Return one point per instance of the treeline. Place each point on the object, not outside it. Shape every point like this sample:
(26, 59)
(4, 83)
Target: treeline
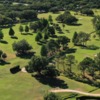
(69, 4)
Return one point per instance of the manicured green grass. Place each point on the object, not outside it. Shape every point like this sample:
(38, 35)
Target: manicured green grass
(22, 86)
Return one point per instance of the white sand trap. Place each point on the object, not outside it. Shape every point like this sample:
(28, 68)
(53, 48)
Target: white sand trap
(24, 70)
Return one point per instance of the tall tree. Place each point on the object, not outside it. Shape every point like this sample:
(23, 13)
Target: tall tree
(74, 39)
(44, 50)
(11, 32)
(46, 35)
(38, 37)
(26, 29)
(50, 19)
(70, 60)
(1, 52)
(21, 29)
(1, 35)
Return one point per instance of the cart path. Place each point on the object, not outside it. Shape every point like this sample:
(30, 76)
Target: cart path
(74, 91)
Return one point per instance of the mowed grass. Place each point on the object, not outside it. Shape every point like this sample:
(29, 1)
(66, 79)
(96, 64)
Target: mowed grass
(22, 86)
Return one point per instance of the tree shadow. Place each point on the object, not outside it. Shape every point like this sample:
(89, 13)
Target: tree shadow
(67, 31)
(26, 55)
(27, 34)
(15, 69)
(87, 98)
(80, 45)
(97, 39)
(54, 36)
(4, 42)
(2, 62)
(75, 24)
(14, 37)
(71, 50)
(60, 32)
(73, 95)
(39, 43)
(7, 26)
(93, 90)
(52, 82)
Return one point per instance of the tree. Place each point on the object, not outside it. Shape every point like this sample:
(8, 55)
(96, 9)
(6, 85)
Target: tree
(96, 24)
(21, 46)
(26, 29)
(38, 37)
(63, 25)
(70, 60)
(1, 52)
(38, 64)
(4, 55)
(67, 18)
(28, 15)
(70, 20)
(21, 29)
(46, 35)
(51, 96)
(88, 12)
(74, 39)
(89, 64)
(52, 45)
(97, 60)
(51, 30)
(34, 26)
(63, 40)
(51, 71)
(44, 50)
(81, 38)
(1, 35)
(50, 19)
(11, 32)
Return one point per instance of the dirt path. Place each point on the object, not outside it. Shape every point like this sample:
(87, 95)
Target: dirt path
(75, 91)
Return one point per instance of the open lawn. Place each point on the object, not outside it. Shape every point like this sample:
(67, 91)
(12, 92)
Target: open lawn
(22, 86)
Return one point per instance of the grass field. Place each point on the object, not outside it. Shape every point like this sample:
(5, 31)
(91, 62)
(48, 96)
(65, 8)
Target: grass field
(22, 86)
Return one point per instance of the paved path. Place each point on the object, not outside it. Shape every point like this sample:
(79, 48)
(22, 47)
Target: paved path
(75, 91)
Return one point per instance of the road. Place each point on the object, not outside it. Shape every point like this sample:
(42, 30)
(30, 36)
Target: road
(75, 91)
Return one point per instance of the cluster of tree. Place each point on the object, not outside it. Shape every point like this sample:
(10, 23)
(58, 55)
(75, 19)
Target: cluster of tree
(21, 47)
(87, 12)
(49, 31)
(96, 23)
(9, 18)
(80, 38)
(41, 65)
(51, 96)
(51, 5)
(67, 18)
(5, 21)
(21, 29)
(39, 25)
(54, 46)
(2, 56)
(90, 65)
